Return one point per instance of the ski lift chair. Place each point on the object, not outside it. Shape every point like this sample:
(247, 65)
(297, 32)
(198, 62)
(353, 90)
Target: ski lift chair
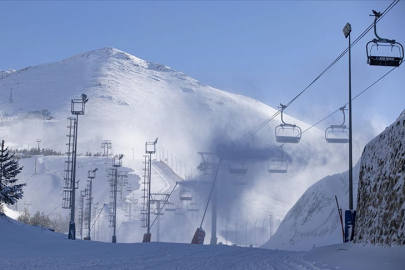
(375, 60)
(170, 207)
(179, 211)
(239, 180)
(156, 212)
(277, 166)
(338, 133)
(193, 207)
(185, 195)
(287, 133)
(240, 167)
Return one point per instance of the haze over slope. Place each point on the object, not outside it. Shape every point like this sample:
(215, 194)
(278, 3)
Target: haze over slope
(132, 101)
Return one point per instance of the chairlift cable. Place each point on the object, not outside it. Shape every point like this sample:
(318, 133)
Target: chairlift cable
(209, 197)
(161, 208)
(251, 133)
(346, 50)
(352, 100)
(97, 217)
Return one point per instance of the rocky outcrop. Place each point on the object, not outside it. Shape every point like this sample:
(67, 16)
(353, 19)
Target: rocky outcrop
(381, 190)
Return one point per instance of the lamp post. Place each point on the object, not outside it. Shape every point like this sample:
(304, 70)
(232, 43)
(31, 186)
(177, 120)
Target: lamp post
(236, 232)
(254, 231)
(91, 176)
(176, 163)
(150, 148)
(117, 162)
(247, 221)
(39, 150)
(346, 31)
(77, 108)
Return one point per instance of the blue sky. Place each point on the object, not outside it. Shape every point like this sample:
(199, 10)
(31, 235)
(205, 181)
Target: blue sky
(267, 50)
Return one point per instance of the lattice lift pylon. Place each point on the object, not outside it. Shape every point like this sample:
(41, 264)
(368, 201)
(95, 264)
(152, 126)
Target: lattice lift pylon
(145, 185)
(106, 145)
(81, 212)
(67, 187)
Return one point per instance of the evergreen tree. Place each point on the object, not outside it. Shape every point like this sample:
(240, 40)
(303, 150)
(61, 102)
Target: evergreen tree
(10, 192)
(24, 217)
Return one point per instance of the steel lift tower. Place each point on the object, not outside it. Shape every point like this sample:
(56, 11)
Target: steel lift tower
(91, 176)
(150, 148)
(69, 189)
(117, 162)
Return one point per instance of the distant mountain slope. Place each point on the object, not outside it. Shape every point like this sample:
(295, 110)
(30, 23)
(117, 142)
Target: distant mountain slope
(132, 101)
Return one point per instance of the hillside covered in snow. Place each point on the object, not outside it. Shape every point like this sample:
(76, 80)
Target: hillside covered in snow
(314, 219)
(132, 101)
(378, 185)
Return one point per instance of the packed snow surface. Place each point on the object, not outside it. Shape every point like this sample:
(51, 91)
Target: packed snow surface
(27, 247)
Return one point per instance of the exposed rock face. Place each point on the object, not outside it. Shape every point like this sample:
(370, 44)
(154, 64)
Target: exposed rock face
(381, 191)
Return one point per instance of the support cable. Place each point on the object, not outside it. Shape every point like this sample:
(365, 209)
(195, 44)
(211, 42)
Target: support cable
(97, 217)
(161, 208)
(212, 188)
(352, 100)
(251, 133)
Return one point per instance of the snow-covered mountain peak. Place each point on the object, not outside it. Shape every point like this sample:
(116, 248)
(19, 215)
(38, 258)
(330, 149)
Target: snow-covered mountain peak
(401, 115)
(107, 53)
(114, 56)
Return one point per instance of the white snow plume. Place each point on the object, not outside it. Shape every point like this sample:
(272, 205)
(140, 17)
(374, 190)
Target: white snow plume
(314, 219)
(133, 101)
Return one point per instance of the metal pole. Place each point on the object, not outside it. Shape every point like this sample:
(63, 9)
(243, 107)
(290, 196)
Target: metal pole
(270, 225)
(236, 231)
(82, 207)
(72, 225)
(226, 232)
(254, 231)
(246, 233)
(158, 221)
(350, 132)
(114, 238)
(90, 199)
(121, 186)
(149, 185)
(214, 215)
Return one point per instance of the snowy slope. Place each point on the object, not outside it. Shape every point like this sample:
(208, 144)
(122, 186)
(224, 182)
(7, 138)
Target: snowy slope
(132, 101)
(314, 220)
(27, 247)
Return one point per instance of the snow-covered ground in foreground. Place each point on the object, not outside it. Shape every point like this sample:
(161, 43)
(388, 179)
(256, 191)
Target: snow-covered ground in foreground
(26, 247)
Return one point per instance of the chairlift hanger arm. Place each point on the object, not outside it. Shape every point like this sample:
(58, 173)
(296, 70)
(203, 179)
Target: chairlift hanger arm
(344, 115)
(282, 107)
(376, 16)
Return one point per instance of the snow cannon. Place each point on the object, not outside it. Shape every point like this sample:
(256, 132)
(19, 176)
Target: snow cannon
(146, 237)
(198, 237)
